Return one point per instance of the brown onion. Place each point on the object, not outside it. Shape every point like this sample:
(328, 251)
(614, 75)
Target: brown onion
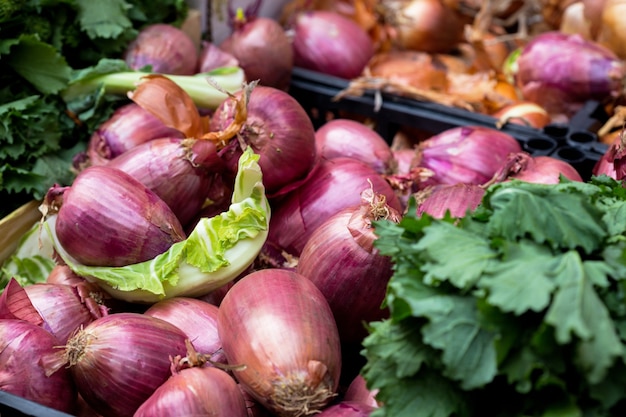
(108, 218)
(196, 392)
(349, 138)
(128, 126)
(330, 43)
(612, 31)
(119, 360)
(468, 154)
(278, 325)
(341, 260)
(164, 47)
(425, 25)
(25, 349)
(197, 318)
(263, 50)
(524, 113)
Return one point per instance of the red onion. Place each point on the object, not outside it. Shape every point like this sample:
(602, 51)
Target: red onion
(213, 57)
(196, 392)
(63, 274)
(560, 72)
(25, 350)
(349, 138)
(119, 360)
(540, 169)
(64, 309)
(279, 326)
(468, 154)
(348, 409)
(332, 186)
(128, 126)
(359, 392)
(330, 43)
(453, 199)
(341, 260)
(197, 318)
(179, 171)
(164, 47)
(279, 130)
(263, 49)
(108, 218)
(404, 160)
(612, 163)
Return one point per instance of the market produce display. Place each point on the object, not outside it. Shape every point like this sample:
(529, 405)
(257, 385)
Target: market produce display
(206, 243)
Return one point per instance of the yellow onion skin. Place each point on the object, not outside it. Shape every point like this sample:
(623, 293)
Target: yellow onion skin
(166, 48)
(24, 347)
(119, 360)
(196, 392)
(278, 324)
(108, 218)
(340, 259)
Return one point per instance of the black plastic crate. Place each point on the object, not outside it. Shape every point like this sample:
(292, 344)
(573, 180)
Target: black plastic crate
(575, 143)
(14, 406)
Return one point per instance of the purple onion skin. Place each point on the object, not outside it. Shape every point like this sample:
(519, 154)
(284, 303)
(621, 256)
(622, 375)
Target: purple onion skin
(560, 72)
(279, 130)
(179, 171)
(129, 126)
(358, 391)
(125, 358)
(263, 50)
(196, 392)
(347, 409)
(455, 199)
(349, 138)
(108, 218)
(333, 185)
(213, 57)
(195, 317)
(339, 259)
(23, 347)
(468, 154)
(63, 308)
(168, 49)
(330, 43)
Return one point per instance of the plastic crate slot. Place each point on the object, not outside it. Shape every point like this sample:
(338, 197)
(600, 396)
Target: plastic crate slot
(540, 146)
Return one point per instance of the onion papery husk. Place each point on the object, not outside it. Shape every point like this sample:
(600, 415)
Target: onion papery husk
(467, 154)
(341, 260)
(359, 392)
(26, 351)
(217, 250)
(538, 169)
(119, 360)
(279, 327)
(347, 409)
(454, 200)
(278, 128)
(179, 171)
(109, 218)
(333, 185)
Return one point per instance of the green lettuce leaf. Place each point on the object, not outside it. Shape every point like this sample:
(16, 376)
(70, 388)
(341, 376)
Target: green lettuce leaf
(215, 252)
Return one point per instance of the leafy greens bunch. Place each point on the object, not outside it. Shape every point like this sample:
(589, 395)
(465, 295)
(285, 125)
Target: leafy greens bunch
(42, 45)
(516, 309)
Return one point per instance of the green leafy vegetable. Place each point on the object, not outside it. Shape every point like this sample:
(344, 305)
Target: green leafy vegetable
(517, 309)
